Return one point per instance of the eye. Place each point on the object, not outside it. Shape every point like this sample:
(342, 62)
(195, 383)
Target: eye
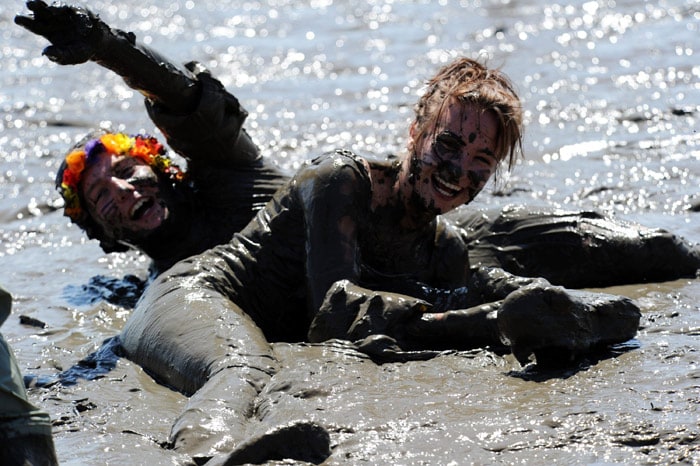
(124, 171)
(446, 146)
(487, 163)
(124, 168)
(447, 143)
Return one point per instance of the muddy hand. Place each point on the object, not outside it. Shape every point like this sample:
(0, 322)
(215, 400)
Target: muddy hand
(75, 33)
(559, 324)
(386, 314)
(384, 349)
(351, 312)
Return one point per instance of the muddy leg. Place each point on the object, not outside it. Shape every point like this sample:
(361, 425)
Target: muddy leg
(25, 430)
(196, 340)
(27, 450)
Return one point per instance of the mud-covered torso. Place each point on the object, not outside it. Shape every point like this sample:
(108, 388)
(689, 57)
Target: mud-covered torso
(218, 202)
(228, 179)
(435, 256)
(289, 255)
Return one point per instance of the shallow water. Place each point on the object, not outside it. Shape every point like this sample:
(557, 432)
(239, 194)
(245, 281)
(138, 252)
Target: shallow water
(612, 98)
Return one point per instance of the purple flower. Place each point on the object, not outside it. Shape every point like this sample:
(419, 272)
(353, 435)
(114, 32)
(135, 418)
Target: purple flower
(93, 149)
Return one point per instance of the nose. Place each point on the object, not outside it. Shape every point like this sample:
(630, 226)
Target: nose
(451, 170)
(121, 188)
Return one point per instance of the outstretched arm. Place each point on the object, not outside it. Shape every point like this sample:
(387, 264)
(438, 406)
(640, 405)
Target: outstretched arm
(200, 119)
(77, 35)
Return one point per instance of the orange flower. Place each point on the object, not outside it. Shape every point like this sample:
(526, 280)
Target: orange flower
(76, 161)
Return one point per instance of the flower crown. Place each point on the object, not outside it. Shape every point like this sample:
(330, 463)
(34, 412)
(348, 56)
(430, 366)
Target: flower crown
(142, 147)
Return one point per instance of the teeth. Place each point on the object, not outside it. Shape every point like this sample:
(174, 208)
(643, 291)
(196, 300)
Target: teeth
(443, 192)
(137, 206)
(451, 186)
(445, 188)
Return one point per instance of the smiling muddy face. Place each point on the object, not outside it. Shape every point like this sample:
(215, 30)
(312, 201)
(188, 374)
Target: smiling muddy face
(450, 164)
(122, 195)
(119, 189)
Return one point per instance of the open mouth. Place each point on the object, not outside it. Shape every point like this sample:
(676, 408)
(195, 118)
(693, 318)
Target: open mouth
(444, 187)
(141, 207)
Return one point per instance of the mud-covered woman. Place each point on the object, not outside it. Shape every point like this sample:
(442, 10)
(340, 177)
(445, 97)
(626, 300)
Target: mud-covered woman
(355, 248)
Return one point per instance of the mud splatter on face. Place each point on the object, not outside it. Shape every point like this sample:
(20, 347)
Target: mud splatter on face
(415, 169)
(452, 162)
(477, 181)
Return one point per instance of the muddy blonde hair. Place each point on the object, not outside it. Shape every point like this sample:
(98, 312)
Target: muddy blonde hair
(470, 82)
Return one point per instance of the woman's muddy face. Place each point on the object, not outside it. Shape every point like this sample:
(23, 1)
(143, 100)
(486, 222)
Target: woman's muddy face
(123, 196)
(452, 163)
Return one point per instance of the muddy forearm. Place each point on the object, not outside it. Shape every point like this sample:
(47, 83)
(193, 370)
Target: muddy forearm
(147, 71)
(455, 329)
(352, 312)
(212, 132)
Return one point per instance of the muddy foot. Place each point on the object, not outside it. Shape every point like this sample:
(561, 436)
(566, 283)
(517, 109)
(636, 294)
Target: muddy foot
(557, 324)
(301, 440)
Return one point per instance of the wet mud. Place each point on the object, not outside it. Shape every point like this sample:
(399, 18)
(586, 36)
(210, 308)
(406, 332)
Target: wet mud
(633, 403)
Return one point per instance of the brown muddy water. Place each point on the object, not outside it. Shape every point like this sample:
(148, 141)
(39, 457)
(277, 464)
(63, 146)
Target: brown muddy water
(612, 97)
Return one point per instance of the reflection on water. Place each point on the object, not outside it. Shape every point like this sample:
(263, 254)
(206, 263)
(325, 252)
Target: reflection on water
(611, 100)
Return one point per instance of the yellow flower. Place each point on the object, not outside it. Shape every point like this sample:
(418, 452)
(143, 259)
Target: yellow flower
(118, 143)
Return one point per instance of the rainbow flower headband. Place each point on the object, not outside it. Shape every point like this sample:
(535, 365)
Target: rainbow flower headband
(142, 147)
